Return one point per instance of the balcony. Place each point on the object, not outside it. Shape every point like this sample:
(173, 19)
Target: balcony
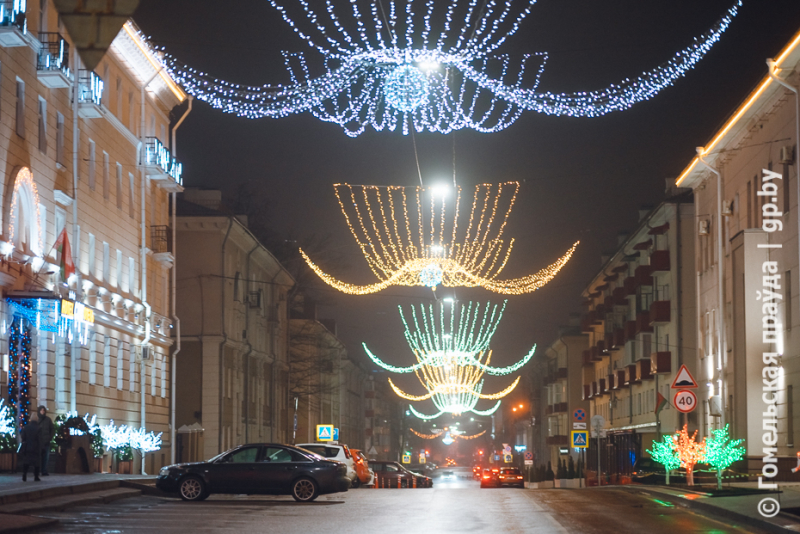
(587, 358)
(601, 383)
(643, 322)
(630, 375)
(661, 362)
(612, 384)
(559, 407)
(596, 353)
(620, 295)
(621, 380)
(161, 166)
(13, 24)
(659, 261)
(557, 440)
(595, 389)
(643, 276)
(90, 95)
(586, 325)
(608, 303)
(587, 392)
(630, 330)
(52, 64)
(595, 317)
(601, 346)
(643, 370)
(629, 285)
(608, 340)
(619, 339)
(600, 312)
(161, 245)
(660, 313)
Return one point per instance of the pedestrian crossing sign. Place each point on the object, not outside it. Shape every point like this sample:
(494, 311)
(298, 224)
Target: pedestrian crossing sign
(406, 458)
(324, 432)
(580, 439)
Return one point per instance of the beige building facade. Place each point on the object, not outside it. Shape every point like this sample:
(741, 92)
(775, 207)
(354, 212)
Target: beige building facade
(101, 168)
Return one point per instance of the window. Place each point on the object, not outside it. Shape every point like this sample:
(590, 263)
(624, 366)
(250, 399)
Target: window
(119, 268)
(106, 260)
(42, 125)
(131, 114)
(106, 86)
(42, 15)
(43, 225)
(106, 361)
(106, 192)
(131, 196)
(91, 264)
(163, 377)
(237, 283)
(93, 358)
(248, 455)
(118, 96)
(59, 222)
(92, 164)
(153, 379)
(152, 130)
(120, 363)
(119, 185)
(20, 126)
(60, 152)
(132, 366)
(131, 270)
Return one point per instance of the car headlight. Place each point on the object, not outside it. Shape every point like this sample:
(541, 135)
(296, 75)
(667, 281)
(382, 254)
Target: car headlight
(164, 471)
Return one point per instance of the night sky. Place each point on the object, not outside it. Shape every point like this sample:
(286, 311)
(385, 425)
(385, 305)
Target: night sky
(582, 179)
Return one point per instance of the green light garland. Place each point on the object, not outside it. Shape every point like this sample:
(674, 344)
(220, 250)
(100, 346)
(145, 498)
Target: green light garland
(665, 452)
(722, 451)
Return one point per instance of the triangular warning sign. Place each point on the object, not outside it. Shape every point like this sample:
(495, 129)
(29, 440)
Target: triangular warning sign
(684, 379)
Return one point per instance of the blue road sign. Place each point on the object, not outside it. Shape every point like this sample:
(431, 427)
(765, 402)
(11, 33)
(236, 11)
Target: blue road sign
(335, 434)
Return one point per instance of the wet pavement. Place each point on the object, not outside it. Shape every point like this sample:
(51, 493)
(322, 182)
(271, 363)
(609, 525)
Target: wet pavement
(456, 505)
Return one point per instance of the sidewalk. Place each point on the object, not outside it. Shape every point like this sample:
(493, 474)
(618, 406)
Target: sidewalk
(741, 508)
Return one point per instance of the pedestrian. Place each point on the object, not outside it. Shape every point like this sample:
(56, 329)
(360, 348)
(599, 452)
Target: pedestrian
(31, 452)
(46, 432)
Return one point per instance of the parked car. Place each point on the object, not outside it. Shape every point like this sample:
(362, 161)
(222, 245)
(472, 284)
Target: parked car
(340, 453)
(266, 468)
(394, 474)
(426, 469)
(365, 475)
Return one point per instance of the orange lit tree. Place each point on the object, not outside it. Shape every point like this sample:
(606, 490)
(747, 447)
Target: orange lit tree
(689, 452)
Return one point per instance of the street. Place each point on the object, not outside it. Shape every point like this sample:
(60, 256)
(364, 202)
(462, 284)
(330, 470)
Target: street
(451, 506)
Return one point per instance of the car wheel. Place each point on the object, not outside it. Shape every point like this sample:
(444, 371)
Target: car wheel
(355, 483)
(304, 490)
(192, 489)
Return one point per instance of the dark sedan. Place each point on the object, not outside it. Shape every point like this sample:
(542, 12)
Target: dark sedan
(267, 468)
(394, 475)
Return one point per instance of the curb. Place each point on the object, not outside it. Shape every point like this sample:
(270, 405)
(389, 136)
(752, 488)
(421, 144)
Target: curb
(24, 523)
(723, 513)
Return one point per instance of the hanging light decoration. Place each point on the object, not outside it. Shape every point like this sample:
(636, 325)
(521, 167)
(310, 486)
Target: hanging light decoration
(448, 435)
(388, 66)
(409, 239)
(452, 352)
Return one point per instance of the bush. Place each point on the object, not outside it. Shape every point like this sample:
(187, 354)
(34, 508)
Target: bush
(124, 453)
(561, 472)
(579, 472)
(571, 468)
(549, 475)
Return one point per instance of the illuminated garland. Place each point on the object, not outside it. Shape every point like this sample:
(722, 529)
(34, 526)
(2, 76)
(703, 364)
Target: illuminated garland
(689, 451)
(25, 178)
(425, 417)
(115, 438)
(19, 372)
(454, 434)
(6, 421)
(387, 66)
(408, 241)
(665, 452)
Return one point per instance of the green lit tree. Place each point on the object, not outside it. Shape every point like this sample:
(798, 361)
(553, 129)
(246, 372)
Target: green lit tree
(722, 451)
(665, 452)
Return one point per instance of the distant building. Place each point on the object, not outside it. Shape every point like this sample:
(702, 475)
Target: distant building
(641, 323)
(749, 329)
(233, 367)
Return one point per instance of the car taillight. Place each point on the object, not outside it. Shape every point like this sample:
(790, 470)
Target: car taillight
(346, 451)
(519, 477)
(486, 476)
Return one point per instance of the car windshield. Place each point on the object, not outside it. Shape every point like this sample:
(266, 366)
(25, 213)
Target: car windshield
(510, 471)
(310, 453)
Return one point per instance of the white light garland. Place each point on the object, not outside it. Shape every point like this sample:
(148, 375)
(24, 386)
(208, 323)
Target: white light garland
(6, 420)
(371, 79)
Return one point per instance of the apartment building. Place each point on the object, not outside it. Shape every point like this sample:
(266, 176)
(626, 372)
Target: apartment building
(641, 324)
(87, 152)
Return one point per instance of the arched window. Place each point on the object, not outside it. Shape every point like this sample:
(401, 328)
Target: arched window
(24, 227)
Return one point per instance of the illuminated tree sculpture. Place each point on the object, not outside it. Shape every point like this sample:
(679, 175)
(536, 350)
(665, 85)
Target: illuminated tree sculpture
(722, 451)
(451, 346)
(689, 452)
(412, 64)
(409, 239)
(665, 452)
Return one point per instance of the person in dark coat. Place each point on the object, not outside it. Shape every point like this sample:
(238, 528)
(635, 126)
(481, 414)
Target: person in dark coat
(46, 433)
(31, 452)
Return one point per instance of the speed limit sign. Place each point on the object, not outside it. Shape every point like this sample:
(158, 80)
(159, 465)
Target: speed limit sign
(685, 401)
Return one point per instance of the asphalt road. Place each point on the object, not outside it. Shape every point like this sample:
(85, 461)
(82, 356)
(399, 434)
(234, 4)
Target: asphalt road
(451, 506)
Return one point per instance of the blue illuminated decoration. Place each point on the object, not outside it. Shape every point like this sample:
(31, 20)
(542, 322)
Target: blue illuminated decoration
(13, 14)
(158, 155)
(66, 318)
(405, 88)
(431, 276)
(19, 372)
(411, 64)
(90, 88)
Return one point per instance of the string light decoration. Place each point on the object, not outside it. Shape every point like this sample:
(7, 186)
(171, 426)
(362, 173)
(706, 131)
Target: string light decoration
(416, 66)
(665, 452)
(6, 421)
(25, 197)
(722, 451)
(463, 409)
(450, 433)
(118, 437)
(689, 451)
(19, 372)
(408, 239)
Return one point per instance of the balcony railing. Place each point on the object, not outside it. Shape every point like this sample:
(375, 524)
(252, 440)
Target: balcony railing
(157, 155)
(12, 13)
(53, 61)
(90, 88)
(160, 239)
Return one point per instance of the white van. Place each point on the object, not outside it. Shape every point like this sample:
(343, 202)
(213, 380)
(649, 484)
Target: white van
(339, 453)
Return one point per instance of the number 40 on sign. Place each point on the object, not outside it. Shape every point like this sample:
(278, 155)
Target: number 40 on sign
(685, 401)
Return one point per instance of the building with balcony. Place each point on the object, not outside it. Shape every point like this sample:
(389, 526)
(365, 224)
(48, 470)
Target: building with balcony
(748, 330)
(563, 392)
(640, 321)
(232, 379)
(79, 172)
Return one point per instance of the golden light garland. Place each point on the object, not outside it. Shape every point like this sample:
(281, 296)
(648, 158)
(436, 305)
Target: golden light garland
(453, 433)
(400, 252)
(24, 177)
